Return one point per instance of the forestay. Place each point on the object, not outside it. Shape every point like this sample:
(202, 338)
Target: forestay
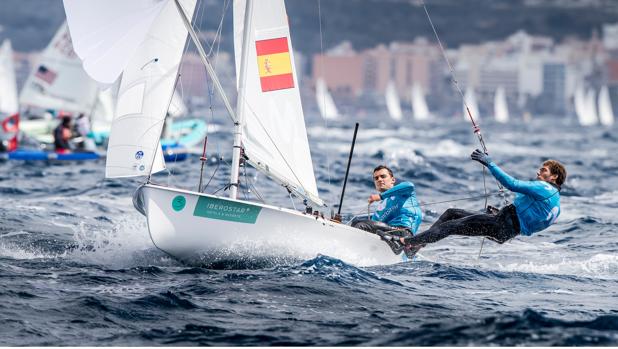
(274, 135)
(144, 41)
(8, 86)
(57, 81)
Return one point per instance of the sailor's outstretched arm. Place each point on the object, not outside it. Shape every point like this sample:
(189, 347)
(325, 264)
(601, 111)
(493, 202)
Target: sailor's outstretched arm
(509, 182)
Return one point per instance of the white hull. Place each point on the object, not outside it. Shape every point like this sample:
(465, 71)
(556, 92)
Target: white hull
(205, 229)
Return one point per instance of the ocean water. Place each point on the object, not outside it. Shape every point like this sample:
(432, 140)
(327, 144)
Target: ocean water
(77, 266)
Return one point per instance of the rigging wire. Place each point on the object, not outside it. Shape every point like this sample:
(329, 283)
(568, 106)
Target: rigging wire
(477, 129)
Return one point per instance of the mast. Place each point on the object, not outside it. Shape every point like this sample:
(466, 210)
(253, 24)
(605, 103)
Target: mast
(240, 105)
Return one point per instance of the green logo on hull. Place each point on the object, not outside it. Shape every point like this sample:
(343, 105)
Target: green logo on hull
(179, 203)
(226, 210)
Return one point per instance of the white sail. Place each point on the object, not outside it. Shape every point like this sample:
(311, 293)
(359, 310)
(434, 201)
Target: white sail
(103, 113)
(274, 135)
(57, 81)
(579, 101)
(470, 98)
(177, 106)
(419, 105)
(606, 113)
(501, 108)
(8, 86)
(392, 101)
(144, 41)
(590, 116)
(325, 101)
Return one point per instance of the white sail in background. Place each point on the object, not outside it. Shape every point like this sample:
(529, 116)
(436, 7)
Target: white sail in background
(274, 135)
(606, 113)
(419, 105)
(590, 116)
(144, 41)
(177, 107)
(501, 109)
(58, 81)
(579, 101)
(103, 113)
(392, 101)
(325, 101)
(470, 98)
(8, 86)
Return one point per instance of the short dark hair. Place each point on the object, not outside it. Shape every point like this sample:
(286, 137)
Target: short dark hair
(556, 168)
(383, 167)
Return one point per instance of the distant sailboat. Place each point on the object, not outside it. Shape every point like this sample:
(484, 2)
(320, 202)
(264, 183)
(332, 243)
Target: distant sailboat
(57, 82)
(419, 105)
(501, 109)
(579, 101)
(585, 106)
(392, 101)
(606, 113)
(591, 116)
(8, 86)
(325, 101)
(470, 98)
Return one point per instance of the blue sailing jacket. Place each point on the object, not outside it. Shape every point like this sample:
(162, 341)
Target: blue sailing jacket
(537, 202)
(399, 207)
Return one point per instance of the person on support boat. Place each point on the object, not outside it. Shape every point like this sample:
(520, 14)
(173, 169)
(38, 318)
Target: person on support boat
(536, 207)
(398, 212)
(62, 135)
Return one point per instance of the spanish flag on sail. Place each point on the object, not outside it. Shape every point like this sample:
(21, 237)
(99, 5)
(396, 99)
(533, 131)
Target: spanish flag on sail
(274, 64)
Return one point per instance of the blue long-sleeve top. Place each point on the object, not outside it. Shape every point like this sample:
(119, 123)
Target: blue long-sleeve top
(537, 202)
(399, 207)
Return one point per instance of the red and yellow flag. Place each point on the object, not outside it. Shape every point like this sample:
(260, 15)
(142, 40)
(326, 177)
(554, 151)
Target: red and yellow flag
(274, 64)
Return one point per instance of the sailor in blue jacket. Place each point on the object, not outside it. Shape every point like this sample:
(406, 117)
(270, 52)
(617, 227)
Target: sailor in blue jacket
(398, 213)
(536, 207)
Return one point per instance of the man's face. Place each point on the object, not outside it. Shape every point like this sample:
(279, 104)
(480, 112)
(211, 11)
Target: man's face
(544, 174)
(383, 180)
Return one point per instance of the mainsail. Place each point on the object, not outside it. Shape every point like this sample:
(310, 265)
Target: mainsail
(325, 101)
(143, 40)
(392, 101)
(8, 86)
(606, 113)
(274, 135)
(57, 81)
(419, 105)
(501, 109)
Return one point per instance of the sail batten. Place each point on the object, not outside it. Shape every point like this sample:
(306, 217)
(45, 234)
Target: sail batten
(274, 137)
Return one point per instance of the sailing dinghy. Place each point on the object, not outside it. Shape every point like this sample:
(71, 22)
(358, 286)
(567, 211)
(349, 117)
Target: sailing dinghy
(144, 40)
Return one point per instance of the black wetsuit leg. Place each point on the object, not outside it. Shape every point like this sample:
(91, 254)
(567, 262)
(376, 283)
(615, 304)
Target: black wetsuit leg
(452, 213)
(384, 230)
(500, 227)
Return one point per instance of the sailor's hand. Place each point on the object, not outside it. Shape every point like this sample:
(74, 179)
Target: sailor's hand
(481, 157)
(374, 197)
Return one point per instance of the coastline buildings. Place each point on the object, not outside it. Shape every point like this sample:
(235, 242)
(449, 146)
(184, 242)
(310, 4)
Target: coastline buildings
(539, 76)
